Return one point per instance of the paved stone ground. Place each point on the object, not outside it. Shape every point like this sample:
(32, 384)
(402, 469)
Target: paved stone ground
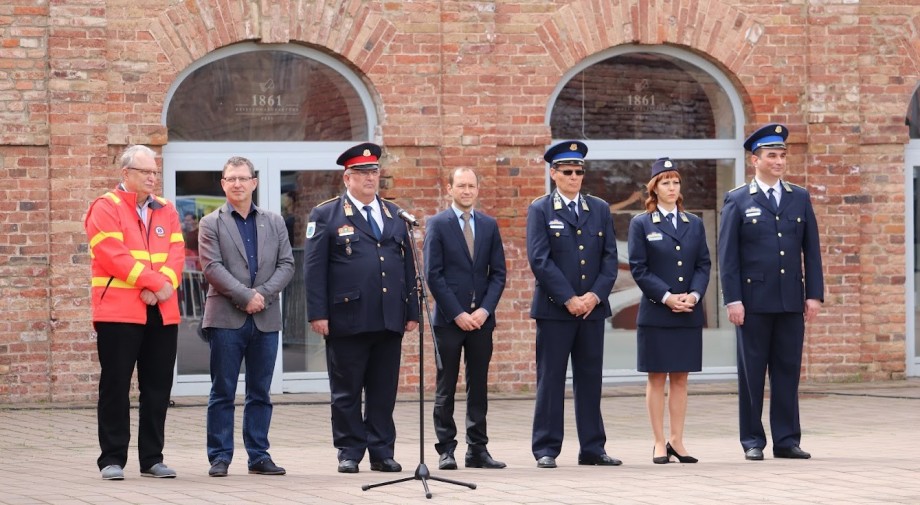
(863, 438)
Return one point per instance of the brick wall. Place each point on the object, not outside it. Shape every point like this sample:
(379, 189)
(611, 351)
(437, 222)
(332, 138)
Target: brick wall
(456, 83)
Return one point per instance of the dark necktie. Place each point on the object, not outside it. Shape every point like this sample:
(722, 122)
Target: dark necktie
(574, 208)
(672, 219)
(772, 198)
(468, 232)
(373, 222)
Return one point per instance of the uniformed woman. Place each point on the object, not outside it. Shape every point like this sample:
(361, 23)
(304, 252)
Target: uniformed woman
(669, 261)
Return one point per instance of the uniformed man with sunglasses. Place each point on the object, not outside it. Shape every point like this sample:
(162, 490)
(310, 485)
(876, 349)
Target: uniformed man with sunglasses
(573, 254)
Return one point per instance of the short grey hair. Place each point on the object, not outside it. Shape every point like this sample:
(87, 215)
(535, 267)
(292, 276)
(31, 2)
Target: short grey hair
(127, 156)
(239, 161)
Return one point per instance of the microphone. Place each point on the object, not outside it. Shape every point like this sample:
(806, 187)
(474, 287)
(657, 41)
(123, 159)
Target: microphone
(405, 216)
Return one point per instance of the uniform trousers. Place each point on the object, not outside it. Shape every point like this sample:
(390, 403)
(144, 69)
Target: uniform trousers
(556, 341)
(152, 348)
(770, 342)
(368, 363)
(477, 352)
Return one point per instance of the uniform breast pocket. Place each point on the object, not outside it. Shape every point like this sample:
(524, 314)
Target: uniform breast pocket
(798, 224)
(346, 242)
(559, 240)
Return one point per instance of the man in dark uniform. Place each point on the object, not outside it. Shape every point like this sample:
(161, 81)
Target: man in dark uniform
(768, 231)
(573, 254)
(466, 283)
(361, 296)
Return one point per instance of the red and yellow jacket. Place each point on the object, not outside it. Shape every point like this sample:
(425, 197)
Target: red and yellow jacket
(127, 257)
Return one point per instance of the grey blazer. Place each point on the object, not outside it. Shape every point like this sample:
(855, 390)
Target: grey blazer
(223, 260)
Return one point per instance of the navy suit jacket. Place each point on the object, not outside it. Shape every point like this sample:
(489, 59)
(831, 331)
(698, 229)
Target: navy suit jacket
(459, 283)
(570, 257)
(358, 283)
(663, 260)
(761, 251)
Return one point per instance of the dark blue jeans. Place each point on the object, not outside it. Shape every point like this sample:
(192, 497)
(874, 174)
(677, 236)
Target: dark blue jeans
(228, 350)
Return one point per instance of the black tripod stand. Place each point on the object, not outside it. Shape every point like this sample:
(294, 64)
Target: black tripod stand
(421, 473)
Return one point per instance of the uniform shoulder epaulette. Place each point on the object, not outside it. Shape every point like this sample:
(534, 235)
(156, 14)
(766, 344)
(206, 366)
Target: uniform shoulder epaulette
(690, 213)
(739, 187)
(641, 213)
(320, 204)
(388, 201)
(796, 185)
(539, 197)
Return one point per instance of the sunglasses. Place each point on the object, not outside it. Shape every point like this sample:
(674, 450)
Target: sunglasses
(577, 171)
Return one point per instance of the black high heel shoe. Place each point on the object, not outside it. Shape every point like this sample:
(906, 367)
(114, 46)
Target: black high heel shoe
(682, 459)
(660, 460)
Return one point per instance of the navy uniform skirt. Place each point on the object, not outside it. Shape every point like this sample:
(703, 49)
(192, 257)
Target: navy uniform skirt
(670, 349)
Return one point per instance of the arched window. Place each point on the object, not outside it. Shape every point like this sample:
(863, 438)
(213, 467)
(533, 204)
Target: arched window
(632, 105)
(291, 110)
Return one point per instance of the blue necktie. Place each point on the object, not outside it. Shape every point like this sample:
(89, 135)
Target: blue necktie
(772, 199)
(373, 222)
(574, 208)
(672, 219)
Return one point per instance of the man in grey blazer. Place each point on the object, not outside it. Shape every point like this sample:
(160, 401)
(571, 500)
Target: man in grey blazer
(247, 260)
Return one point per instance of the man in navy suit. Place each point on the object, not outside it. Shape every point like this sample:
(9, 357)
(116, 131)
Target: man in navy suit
(465, 268)
(361, 296)
(768, 231)
(573, 255)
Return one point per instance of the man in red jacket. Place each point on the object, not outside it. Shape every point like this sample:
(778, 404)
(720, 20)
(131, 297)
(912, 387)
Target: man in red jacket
(137, 255)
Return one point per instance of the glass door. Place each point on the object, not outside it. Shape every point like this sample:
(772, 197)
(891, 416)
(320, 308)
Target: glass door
(912, 223)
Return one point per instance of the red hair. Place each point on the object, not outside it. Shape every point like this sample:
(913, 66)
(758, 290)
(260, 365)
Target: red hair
(651, 203)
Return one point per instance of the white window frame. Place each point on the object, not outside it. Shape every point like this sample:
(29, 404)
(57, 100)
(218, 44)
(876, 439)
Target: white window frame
(632, 149)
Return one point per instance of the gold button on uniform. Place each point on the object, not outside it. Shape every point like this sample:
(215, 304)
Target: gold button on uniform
(557, 233)
(581, 248)
(680, 279)
(782, 270)
(578, 232)
(782, 253)
(381, 258)
(749, 280)
(754, 220)
(677, 248)
(346, 300)
(583, 277)
(582, 262)
(600, 234)
(780, 234)
(383, 274)
(777, 218)
(384, 290)
(680, 263)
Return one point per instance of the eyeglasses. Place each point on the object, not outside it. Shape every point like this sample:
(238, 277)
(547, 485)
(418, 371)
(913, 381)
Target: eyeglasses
(145, 172)
(577, 171)
(365, 173)
(234, 180)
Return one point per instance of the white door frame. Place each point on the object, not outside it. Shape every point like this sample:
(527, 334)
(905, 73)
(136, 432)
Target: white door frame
(911, 160)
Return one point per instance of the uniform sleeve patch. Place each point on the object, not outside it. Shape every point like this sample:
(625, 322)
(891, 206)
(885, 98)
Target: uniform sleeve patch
(311, 229)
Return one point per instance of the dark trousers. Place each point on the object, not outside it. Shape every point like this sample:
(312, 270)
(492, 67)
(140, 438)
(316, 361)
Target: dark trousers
(556, 341)
(477, 352)
(367, 362)
(121, 346)
(770, 343)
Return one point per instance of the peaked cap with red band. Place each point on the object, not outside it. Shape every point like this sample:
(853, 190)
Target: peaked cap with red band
(364, 156)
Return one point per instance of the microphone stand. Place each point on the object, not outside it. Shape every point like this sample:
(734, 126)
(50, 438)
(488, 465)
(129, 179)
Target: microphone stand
(421, 472)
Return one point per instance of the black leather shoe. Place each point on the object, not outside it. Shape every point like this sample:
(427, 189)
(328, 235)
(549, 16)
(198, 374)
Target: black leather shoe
(386, 465)
(754, 454)
(660, 460)
(682, 459)
(348, 466)
(447, 461)
(546, 462)
(219, 469)
(794, 452)
(600, 460)
(267, 467)
(482, 459)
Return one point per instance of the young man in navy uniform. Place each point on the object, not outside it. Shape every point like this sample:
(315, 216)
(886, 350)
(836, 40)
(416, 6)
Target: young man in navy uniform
(361, 297)
(573, 255)
(768, 231)
(466, 283)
